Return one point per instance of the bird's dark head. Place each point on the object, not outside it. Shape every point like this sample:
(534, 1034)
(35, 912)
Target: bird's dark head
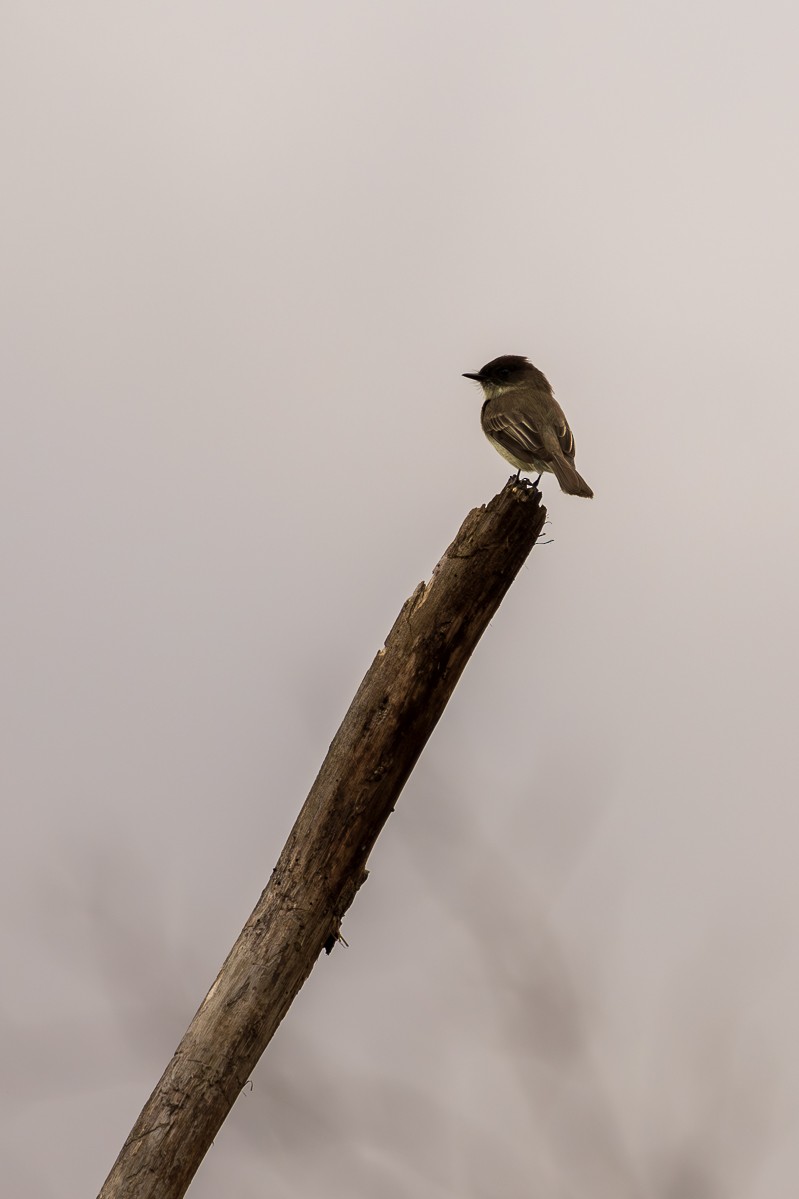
(506, 372)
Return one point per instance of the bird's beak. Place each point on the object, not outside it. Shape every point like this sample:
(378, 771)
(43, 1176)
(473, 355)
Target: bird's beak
(472, 375)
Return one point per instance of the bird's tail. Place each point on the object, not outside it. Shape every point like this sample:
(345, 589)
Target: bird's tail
(569, 480)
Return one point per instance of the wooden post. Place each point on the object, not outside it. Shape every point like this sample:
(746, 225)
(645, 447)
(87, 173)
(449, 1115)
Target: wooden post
(323, 863)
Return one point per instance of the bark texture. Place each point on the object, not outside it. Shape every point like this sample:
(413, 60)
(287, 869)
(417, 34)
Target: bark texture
(324, 860)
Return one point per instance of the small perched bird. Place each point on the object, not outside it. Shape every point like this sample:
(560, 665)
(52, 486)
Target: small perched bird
(523, 420)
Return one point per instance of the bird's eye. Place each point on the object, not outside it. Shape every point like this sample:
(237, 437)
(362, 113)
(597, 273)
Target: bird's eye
(504, 373)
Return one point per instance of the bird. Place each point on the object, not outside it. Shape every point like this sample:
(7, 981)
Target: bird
(525, 423)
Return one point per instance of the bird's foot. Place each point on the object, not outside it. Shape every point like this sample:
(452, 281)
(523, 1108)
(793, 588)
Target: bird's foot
(518, 481)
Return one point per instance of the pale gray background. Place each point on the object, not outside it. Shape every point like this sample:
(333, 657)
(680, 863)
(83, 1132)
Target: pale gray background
(247, 249)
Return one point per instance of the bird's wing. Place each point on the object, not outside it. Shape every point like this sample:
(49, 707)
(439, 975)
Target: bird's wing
(516, 433)
(566, 439)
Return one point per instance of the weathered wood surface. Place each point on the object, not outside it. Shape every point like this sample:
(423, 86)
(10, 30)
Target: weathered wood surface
(323, 862)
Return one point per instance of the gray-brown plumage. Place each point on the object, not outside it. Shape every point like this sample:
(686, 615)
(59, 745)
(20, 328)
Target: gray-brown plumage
(525, 423)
